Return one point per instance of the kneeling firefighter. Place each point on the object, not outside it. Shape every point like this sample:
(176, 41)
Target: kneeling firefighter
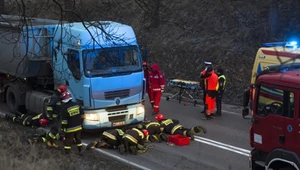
(172, 126)
(133, 141)
(109, 139)
(50, 138)
(155, 132)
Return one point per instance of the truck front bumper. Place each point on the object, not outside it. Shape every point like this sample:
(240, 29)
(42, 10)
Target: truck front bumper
(101, 119)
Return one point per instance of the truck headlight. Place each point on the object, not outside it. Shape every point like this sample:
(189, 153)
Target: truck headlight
(91, 116)
(140, 110)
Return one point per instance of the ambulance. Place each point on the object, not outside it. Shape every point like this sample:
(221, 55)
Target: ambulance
(268, 56)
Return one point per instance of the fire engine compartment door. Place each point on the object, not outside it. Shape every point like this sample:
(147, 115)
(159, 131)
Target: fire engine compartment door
(292, 128)
(268, 122)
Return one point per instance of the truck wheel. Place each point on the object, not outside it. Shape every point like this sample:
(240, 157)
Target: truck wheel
(12, 100)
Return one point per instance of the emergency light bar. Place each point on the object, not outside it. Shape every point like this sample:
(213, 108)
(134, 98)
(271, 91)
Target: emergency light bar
(291, 44)
(283, 67)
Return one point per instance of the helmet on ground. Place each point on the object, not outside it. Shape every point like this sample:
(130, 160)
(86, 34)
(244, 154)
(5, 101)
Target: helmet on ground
(159, 117)
(146, 133)
(43, 122)
(65, 97)
(62, 88)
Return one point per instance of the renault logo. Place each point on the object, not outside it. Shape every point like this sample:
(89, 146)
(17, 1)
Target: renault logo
(117, 101)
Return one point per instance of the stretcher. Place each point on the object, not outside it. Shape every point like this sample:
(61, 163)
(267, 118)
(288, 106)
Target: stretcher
(184, 86)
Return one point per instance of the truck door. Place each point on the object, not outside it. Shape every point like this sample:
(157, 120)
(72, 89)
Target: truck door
(268, 123)
(72, 72)
(297, 122)
(292, 129)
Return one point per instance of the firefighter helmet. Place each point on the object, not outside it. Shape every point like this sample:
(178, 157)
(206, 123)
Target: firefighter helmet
(146, 133)
(65, 97)
(43, 122)
(62, 88)
(159, 117)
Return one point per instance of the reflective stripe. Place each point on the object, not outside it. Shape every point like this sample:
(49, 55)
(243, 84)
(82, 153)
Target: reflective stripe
(139, 132)
(175, 128)
(51, 135)
(44, 139)
(37, 116)
(152, 123)
(73, 129)
(121, 133)
(156, 106)
(132, 139)
(109, 135)
(156, 89)
(64, 122)
(67, 147)
(167, 122)
(25, 120)
(79, 144)
(49, 109)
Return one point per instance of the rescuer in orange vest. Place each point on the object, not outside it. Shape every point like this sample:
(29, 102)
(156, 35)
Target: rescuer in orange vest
(211, 79)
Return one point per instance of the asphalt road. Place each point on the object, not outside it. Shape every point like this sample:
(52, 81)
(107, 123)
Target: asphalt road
(224, 147)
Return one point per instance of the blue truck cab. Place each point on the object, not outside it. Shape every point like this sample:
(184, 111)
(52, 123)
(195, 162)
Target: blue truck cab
(99, 61)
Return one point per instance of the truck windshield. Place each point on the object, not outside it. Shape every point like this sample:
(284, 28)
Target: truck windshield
(111, 61)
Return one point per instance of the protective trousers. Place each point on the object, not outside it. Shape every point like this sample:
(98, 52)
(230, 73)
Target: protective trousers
(69, 136)
(210, 102)
(219, 102)
(156, 100)
(149, 92)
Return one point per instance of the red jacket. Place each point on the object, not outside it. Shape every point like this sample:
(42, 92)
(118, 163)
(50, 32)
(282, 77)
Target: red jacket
(156, 79)
(211, 79)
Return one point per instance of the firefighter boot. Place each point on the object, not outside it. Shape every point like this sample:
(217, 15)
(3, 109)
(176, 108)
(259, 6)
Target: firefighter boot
(198, 129)
(79, 149)
(91, 145)
(153, 138)
(163, 137)
(207, 117)
(121, 149)
(190, 134)
(133, 150)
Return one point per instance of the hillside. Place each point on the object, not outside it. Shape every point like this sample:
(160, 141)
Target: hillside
(181, 35)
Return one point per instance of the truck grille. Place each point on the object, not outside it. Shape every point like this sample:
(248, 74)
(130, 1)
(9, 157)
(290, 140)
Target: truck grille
(116, 118)
(110, 95)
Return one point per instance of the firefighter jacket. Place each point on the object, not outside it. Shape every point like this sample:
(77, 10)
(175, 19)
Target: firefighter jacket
(152, 127)
(53, 107)
(170, 125)
(113, 134)
(156, 79)
(71, 117)
(136, 136)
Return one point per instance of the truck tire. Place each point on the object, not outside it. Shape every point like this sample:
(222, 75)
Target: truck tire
(12, 99)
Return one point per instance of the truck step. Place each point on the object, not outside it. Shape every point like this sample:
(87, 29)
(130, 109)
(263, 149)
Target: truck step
(260, 163)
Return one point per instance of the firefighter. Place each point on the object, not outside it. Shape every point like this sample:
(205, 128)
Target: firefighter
(39, 120)
(220, 90)
(203, 86)
(211, 79)
(154, 130)
(133, 141)
(109, 139)
(147, 72)
(172, 127)
(71, 122)
(157, 84)
(50, 138)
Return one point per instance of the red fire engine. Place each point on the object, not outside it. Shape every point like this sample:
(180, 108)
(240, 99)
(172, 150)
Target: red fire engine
(275, 129)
